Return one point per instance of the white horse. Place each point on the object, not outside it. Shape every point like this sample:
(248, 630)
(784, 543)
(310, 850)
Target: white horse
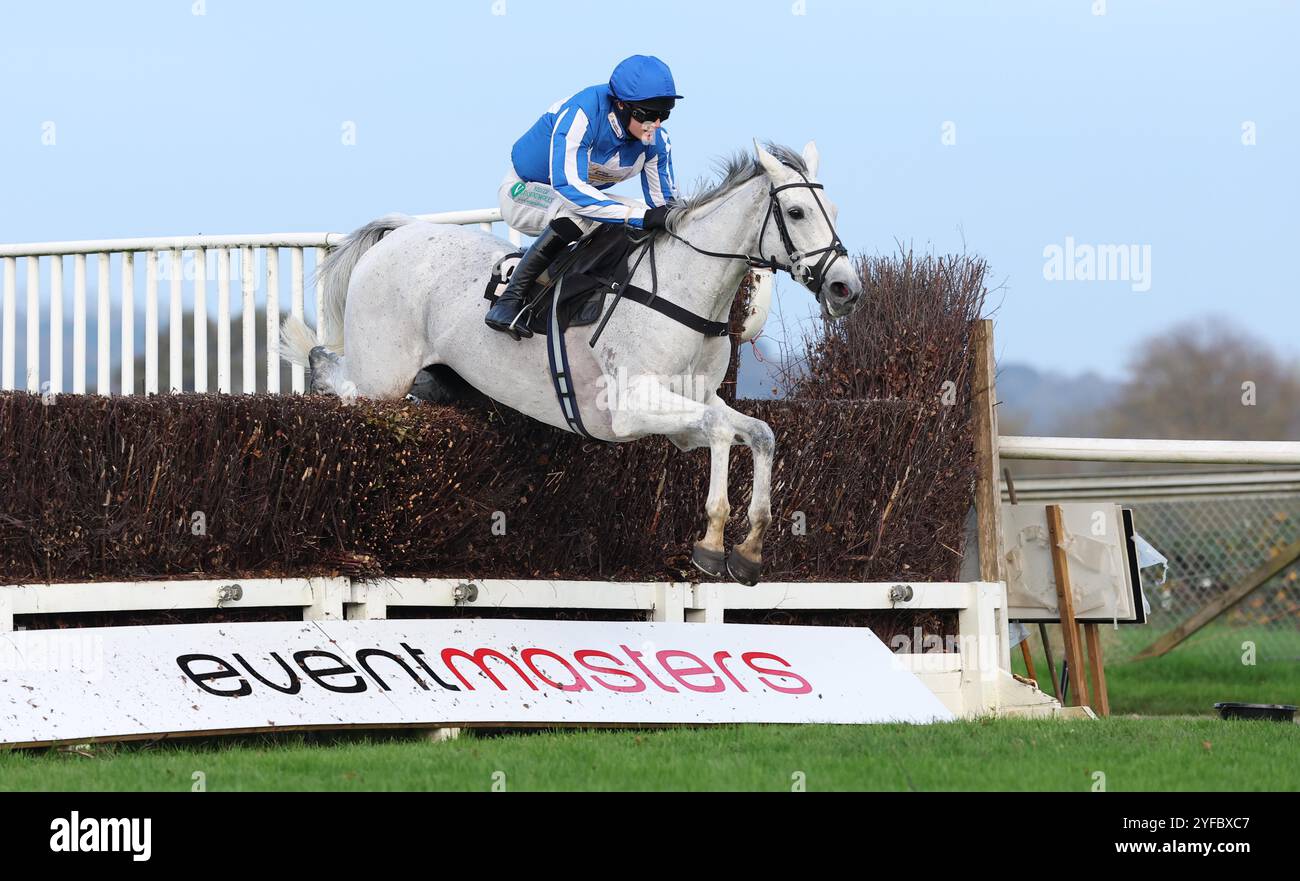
(401, 294)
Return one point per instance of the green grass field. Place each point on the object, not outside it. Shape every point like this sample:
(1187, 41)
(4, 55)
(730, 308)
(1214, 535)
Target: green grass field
(1147, 754)
(1162, 736)
(1207, 668)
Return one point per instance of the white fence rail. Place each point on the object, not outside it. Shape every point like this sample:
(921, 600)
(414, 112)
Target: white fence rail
(1172, 485)
(1105, 449)
(186, 266)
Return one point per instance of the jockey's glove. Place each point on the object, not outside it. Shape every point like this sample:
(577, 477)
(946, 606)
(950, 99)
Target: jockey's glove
(655, 217)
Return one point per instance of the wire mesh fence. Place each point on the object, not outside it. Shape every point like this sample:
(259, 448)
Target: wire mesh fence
(1215, 528)
(1212, 544)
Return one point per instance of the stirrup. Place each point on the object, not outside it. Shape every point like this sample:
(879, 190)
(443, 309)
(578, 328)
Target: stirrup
(518, 326)
(518, 329)
(522, 319)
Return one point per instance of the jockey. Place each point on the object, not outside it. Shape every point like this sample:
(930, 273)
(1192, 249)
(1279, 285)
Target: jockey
(579, 147)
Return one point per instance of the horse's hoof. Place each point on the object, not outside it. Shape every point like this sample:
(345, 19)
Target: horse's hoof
(742, 568)
(708, 561)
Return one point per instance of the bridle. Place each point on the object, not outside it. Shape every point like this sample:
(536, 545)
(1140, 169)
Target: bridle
(811, 276)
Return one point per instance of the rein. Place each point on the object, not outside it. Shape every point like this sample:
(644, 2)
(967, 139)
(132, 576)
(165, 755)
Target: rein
(811, 276)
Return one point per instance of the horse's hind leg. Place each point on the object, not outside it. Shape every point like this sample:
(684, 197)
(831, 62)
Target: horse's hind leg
(328, 374)
(382, 379)
(385, 348)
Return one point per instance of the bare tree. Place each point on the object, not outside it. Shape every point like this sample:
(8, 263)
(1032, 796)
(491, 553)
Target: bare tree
(1206, 379)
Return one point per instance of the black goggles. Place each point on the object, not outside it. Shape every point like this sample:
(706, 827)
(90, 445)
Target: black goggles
(645, 114)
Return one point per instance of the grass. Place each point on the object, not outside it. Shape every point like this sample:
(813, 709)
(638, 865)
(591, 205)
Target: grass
(1134, 754)
(1205, 669)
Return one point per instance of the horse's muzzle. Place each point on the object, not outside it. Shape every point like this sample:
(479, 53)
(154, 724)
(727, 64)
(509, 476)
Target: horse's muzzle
(841, 297)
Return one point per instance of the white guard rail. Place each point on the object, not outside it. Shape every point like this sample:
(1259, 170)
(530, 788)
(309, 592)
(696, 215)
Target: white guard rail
(185, 264)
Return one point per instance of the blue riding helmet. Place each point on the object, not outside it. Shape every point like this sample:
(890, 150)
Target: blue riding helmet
(641, 78)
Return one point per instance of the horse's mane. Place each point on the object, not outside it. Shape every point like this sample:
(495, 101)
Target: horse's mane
(735, 170)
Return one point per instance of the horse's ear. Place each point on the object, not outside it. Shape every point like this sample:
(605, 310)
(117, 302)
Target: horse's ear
(811, 158)
(771, 164)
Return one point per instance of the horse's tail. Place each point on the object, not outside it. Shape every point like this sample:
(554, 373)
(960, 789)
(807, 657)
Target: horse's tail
(335, 273)
(298, 346)
(297, 341)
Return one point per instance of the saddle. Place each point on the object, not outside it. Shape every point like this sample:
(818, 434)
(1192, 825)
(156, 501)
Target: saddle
(571, 293)
(590, 268)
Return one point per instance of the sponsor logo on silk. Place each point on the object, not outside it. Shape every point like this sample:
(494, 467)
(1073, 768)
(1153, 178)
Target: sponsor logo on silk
(517, 188)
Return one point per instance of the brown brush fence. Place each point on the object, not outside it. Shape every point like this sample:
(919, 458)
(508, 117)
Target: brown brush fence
(872, 482)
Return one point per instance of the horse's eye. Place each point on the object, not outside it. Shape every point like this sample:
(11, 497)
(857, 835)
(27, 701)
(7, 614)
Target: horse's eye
(795, 213)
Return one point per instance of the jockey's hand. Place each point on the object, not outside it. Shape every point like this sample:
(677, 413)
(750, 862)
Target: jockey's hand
(655, 217)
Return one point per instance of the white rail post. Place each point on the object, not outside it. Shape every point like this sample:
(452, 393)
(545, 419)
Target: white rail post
(322, 333)
(33, 324)
(10, 353)
(708, 605)
(298, 373)
(151, 324)
(223, 320)
(248, 322)
(128, 323)
(981, 646)
(79, 324)
(103, 326)
(175, 324)
(273, 320)
(328, 595)
(670, 602)
(369, 601)
(200, 319)
(56, 323)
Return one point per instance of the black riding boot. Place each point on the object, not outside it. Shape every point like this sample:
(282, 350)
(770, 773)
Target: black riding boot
(545, 248)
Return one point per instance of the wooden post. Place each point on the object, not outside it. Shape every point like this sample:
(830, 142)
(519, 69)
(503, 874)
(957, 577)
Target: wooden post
(1065, 605)
(1028, 657)
(1097, 666)
(988, 487)
(1051, 665)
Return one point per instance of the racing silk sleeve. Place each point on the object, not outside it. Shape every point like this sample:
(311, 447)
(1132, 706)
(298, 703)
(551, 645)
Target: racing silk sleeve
(657, 181)
(571, 143)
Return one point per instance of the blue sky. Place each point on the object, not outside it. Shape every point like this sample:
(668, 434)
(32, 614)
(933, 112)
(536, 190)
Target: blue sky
(1122, 128)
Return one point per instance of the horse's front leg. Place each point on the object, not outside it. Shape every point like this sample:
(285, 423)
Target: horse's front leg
(745, 561)
(652, 408)
(649, 407)
(709, 553)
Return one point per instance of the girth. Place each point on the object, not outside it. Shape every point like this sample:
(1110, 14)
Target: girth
(571, 293)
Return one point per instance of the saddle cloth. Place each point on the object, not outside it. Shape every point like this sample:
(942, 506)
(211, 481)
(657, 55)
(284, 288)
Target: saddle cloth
(589, 267)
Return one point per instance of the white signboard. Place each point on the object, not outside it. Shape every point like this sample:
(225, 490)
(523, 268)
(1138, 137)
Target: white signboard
(1096, 553)
(114, 682)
